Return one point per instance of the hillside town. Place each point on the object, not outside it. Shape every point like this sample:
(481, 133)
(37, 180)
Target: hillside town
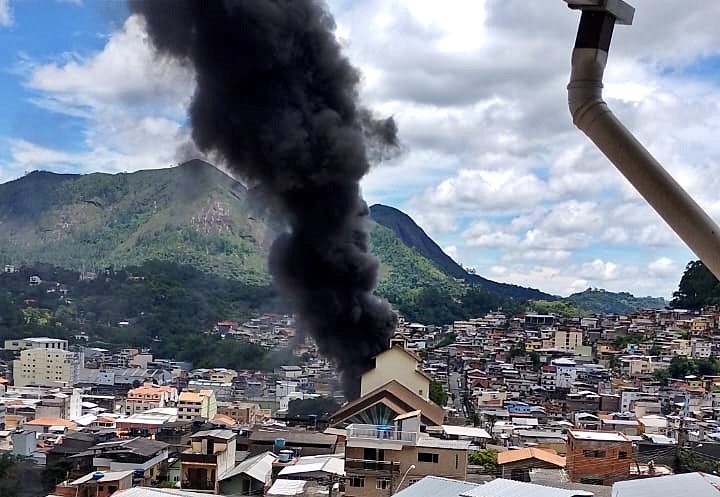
(495, 406)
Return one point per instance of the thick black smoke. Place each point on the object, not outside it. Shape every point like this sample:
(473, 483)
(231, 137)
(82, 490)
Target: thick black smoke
(278, 101)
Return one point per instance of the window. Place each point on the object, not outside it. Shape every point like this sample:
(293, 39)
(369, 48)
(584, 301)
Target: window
(622, 455)
(413, 481)
(382, 484)
(357, 481)
(594, 453)
(427, 457)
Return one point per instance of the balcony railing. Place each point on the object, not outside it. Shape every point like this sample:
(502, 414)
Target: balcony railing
(380, 432)
(371, 465)
(198, 485)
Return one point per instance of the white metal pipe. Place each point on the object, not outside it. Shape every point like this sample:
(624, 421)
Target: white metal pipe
(591, 114)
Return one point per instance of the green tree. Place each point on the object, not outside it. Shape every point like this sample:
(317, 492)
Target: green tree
(437, 393)
(8, 484)
(698, 287)
(54, 474)
(662, 375)
(486, 458)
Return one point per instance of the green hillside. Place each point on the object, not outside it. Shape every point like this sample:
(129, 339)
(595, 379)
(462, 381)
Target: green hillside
(195, 215)
(192, 214)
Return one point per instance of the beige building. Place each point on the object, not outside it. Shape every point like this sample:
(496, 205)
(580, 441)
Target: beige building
(568, 340)
(244, 413)
(36, 343)
(48, 367)
(150, 396)
(196, 404)
(401, 365)
(381, 460)
(211, 455)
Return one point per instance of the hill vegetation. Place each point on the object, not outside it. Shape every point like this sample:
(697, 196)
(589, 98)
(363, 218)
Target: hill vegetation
(413, 236)
(195, 215)
(604, 302)
(162, 306)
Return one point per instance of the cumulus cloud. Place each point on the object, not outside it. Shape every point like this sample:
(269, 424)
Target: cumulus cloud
(494, 117)
(5, 13)
(132, 103)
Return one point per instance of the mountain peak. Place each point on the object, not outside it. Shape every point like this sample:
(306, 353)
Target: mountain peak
(414, 236)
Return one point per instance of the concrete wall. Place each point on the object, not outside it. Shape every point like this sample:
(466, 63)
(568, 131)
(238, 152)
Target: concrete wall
(395, 364)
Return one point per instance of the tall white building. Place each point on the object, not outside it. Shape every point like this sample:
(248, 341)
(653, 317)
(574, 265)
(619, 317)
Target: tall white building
(47, 367)
(565, 372)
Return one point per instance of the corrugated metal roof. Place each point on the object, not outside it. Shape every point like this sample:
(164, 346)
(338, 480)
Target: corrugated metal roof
(510, 488)
(258, 467)
(465, 431)
(316, 464)
(694, 484)
(434, 486)
(286, 487)
(604, 436)
(106, 476)
(160, 492)
(221, 434)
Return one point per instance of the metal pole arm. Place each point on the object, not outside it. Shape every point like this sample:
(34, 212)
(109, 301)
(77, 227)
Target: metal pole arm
(591, 115)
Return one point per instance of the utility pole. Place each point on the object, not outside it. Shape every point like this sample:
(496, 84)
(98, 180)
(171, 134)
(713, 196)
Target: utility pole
(681, 435)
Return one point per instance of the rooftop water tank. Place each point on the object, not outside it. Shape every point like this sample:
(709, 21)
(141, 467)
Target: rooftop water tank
(285, 455)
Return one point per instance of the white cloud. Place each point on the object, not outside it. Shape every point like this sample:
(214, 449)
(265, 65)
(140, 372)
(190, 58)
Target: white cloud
(6, 18)
(131, 101)
(664, 266)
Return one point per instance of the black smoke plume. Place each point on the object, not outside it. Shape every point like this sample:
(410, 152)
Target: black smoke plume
(277, 100)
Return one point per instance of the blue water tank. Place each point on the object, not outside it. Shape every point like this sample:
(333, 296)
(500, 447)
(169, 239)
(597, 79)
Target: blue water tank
(279, 442)
(97, 475)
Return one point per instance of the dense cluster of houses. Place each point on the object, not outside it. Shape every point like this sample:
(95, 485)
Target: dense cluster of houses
(535, 404)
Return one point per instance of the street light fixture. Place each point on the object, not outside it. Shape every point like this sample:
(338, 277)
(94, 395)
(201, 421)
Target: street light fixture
(412, 466)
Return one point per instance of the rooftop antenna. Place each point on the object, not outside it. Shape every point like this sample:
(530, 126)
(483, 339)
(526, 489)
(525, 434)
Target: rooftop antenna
(591, 114)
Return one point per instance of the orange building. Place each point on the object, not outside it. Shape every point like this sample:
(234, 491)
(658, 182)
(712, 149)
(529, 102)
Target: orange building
(598, 457)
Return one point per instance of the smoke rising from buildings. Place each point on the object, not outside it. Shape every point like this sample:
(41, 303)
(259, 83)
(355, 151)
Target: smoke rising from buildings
(277, 100)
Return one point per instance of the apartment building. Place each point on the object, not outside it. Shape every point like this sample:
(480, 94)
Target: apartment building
(48, 367)
(150, 396)
(383, 459)
(568, 340)
(196, 404)
(598, 457)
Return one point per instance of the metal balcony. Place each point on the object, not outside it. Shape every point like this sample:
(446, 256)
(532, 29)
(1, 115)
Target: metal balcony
(380, 432)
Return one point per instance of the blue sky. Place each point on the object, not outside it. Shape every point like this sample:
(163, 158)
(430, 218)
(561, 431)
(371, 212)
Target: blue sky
(492, 167)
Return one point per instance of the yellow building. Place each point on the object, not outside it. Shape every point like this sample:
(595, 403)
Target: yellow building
(51, 367)
(196, 404)
(148, 397)
(398, 364)
(223, 375)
